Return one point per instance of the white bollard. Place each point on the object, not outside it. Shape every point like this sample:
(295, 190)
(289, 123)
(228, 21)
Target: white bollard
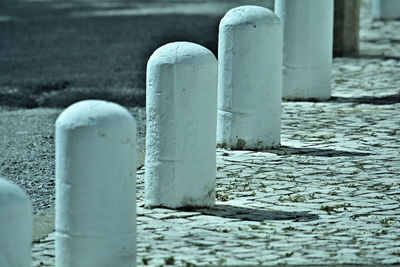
(181, 103)
(249, 79)
(386, 9)
(15, 226)
(95, 185)
(307, 48)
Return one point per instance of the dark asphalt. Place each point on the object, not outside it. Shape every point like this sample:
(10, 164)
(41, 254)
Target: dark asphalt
(50, 58)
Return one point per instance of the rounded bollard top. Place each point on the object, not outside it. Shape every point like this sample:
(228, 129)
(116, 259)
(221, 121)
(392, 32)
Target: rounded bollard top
(249, 15)
(11, 194)
(181, 53)
(93, 113)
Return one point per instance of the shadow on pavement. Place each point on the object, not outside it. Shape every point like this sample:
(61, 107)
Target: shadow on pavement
(372, 100)
(257, 215)
(372, 55)
(285, 150)
(383, 100)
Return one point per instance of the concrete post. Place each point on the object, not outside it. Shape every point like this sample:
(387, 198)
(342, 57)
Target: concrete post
(386, 9)
(95, 185)
(346, 27)
(15, 226)
(307, 48)
(181, 101)
(249, 80)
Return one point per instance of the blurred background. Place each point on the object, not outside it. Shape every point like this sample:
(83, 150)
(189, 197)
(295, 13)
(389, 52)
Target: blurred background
(54, 53)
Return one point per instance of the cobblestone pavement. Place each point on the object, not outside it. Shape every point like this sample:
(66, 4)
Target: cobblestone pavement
(329, 195)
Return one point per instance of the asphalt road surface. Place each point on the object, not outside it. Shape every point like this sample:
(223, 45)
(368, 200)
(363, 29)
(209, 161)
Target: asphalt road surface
(54, 53)
(49, 58)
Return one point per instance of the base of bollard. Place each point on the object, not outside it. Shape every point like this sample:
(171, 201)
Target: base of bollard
(307, 82)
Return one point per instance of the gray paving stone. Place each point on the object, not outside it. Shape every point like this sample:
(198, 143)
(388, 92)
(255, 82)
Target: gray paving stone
(329, 195)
